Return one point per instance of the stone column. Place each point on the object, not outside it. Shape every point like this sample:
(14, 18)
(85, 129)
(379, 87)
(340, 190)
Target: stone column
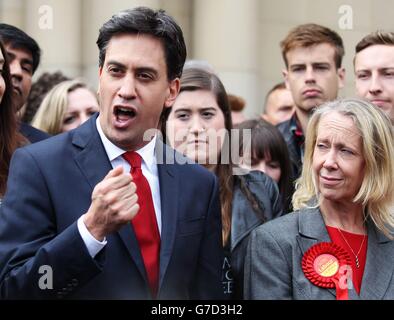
(182, 12)
(225, 33)
(56, 26)
(12, 12)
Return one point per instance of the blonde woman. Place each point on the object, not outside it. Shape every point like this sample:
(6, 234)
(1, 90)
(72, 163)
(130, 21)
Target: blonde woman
(338, 244)
(65, 107)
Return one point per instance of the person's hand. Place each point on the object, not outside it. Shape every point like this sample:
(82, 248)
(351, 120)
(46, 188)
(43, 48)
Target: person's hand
(114, 203)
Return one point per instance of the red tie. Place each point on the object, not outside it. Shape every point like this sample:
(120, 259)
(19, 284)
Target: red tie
(144, 223)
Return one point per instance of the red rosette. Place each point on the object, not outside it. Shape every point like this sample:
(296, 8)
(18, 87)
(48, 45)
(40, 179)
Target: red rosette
(322, 263)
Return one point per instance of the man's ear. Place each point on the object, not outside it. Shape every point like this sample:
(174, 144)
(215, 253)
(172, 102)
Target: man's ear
(341, 77)
(285, 74)
(173, 92)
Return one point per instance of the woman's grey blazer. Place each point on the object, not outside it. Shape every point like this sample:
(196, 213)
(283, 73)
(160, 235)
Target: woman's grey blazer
(273, 261)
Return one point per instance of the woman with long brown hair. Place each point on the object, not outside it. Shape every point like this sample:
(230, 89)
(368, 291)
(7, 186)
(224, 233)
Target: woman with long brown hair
(199, 126)
(10, 139)
(267, 152)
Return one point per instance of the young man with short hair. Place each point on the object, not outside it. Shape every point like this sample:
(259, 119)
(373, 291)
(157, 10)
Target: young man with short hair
(374, 70)
(314, 74)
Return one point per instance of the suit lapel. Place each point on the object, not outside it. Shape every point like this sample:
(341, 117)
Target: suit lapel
(378, 266)
(312, 230)
(129, 239)
(93, 161)
(169, 195)
(92, 158)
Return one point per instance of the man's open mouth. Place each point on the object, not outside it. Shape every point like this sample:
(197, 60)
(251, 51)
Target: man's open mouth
(124, 113)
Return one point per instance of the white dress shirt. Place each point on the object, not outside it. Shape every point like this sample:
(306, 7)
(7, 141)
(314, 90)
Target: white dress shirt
(149, 170)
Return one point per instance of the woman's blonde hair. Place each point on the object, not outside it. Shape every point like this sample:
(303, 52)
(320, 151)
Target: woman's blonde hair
(50, 114)
(377, 189)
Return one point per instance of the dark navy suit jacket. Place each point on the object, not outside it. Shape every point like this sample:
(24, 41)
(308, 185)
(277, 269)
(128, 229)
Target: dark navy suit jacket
(32, 134)
(49, 188)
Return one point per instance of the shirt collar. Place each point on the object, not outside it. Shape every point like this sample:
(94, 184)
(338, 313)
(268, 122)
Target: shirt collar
(295, 127)
(147, 152)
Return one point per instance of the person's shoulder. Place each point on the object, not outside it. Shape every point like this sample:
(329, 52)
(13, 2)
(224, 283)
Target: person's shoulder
(48, 147)
(61, 143)
(43, 155)
(259, 177)
(283, 227)
(289, 224)
(32, 134)
(259, 183)
(284, 126)
(195, 171)
(183, 165)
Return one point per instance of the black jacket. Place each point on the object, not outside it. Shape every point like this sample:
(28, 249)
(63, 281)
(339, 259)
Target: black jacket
(293, 146)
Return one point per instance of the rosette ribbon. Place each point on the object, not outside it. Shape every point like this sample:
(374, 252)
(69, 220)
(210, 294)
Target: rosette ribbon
(326, 265)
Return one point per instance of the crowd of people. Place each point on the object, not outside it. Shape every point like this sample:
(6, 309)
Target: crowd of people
(157, 186)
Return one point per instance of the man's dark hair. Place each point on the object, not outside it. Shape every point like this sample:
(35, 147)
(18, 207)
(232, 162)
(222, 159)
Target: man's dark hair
(142, 20)
(18, 39)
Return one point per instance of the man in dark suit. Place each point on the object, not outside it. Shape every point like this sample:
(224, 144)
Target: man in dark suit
(24, 57)
(70, 199)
